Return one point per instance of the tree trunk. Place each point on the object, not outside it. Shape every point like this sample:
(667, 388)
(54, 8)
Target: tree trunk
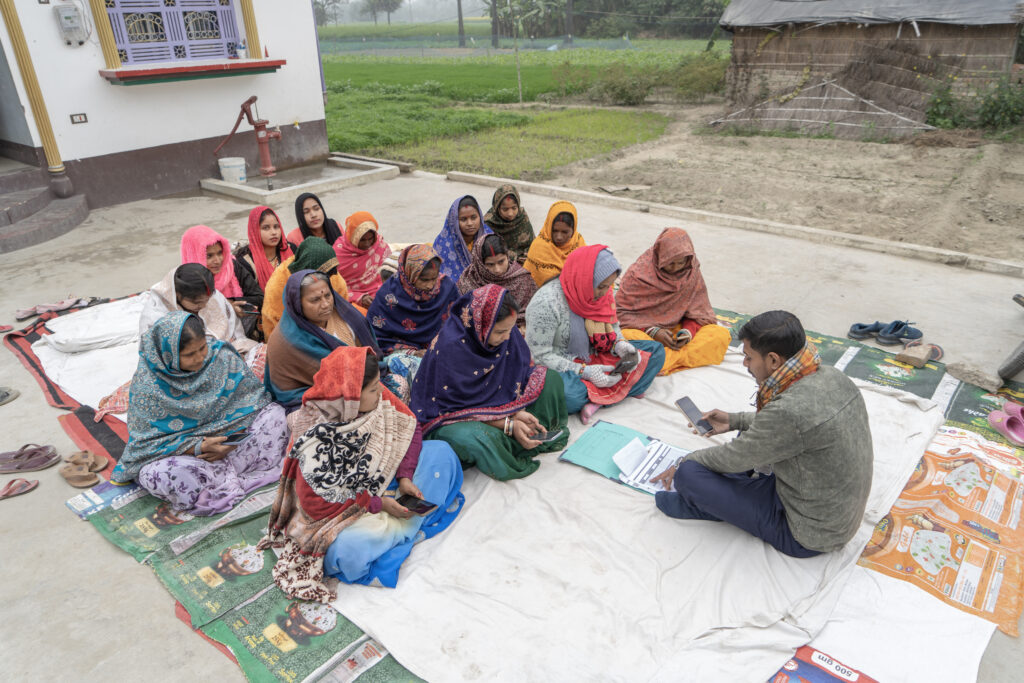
(389, 18)
(568, 21)
(462, 29)
(494, 24)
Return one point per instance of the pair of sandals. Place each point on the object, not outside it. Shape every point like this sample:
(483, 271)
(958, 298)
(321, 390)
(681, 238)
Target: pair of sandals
(887, 334)
(1009, 422)
(29, 458)
(81, 469)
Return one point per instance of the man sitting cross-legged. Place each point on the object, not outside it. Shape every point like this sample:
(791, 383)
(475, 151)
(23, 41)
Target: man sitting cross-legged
(811, 427)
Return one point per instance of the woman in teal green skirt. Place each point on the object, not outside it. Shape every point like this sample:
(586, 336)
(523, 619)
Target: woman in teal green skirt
(478, 390)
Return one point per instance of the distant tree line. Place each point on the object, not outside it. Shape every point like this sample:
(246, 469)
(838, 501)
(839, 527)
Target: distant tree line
(608, 18)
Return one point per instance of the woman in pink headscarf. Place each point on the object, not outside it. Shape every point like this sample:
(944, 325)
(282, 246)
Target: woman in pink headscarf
(206, 247)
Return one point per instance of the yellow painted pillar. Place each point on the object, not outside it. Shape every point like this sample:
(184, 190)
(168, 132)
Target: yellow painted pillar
(35, 97)
(252, 34)
(101, 21)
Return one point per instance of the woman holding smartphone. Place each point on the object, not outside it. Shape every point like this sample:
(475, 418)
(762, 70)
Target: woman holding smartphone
(337, 516)
(478, 390)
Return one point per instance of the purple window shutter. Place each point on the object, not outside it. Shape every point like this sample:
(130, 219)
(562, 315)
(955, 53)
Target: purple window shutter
(173, 30)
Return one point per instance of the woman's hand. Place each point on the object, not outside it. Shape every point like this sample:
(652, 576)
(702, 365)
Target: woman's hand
(719, 420)
(667, 339)
(530, 420)
(391, 506)
(365, 301)
(407, 488)
(523, 434)
(213, 448)
(239, 307)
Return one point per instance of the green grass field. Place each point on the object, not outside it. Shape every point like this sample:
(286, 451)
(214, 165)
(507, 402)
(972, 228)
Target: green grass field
(436, 111)
(454, 79)
(478, 27)
(532, 149)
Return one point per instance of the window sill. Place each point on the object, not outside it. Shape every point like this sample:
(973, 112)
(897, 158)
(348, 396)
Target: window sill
(138, 75)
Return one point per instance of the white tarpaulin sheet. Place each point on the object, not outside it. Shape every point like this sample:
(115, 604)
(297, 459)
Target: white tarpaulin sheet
(565, 575)
(92, 352)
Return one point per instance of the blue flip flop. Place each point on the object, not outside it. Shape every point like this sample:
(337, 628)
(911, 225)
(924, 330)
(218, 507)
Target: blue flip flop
(862, 331)
(898, 332)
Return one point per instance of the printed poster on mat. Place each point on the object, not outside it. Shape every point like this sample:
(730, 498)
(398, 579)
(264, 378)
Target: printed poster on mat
(147, 524)
(275, 638)
(219, 573)
(811, 666)
(956, 529)
(970, 406)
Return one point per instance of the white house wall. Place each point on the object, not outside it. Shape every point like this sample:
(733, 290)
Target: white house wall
(123, 118)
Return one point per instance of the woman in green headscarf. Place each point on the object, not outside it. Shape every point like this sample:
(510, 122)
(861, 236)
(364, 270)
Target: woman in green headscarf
(508, 219)
(313, 254)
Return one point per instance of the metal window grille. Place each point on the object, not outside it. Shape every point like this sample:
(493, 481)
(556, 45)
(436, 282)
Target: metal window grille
(173, 30)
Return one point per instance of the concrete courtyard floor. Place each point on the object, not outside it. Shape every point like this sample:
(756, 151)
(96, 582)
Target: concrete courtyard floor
(110, 619)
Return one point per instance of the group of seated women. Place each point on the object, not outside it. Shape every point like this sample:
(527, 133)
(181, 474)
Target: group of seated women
(351, 388)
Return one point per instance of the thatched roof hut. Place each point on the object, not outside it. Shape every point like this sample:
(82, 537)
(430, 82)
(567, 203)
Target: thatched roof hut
(780, 44)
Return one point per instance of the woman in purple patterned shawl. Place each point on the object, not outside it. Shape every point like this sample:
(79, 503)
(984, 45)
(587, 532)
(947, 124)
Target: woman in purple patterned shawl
(478, 390)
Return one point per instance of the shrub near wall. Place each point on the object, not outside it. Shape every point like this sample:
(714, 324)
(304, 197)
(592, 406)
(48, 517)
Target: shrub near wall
(1001, 107)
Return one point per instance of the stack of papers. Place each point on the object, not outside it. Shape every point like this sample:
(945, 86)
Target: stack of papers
(640, 463)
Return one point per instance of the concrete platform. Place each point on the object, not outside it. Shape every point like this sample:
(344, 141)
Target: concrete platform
(334, 174)
(77, 608)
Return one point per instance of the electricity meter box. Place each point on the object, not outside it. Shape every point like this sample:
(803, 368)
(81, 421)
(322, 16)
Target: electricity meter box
(71, 23)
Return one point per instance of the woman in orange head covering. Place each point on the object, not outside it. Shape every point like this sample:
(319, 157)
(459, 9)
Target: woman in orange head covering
(559, 238)
(663, 298)
(357, 452)
(361, 252)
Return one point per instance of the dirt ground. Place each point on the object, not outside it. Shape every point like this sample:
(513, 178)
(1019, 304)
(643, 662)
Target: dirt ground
(968, 197)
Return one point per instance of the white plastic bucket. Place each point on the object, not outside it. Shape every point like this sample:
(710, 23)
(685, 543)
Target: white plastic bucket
(232, 169)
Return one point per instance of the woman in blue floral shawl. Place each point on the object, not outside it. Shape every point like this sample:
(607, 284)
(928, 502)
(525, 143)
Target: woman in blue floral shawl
(188, 395)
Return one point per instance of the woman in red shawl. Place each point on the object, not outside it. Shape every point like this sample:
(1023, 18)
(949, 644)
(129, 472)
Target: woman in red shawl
(572, 328)
(663, 298)
(266, 249)
(255, 263)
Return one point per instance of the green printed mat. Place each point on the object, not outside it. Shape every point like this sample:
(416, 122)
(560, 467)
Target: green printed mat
(275, 638)
(212, 567)
(218, 573)
(965, 405)
(147, 524)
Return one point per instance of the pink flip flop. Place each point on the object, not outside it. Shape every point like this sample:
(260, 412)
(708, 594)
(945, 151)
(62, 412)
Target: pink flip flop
(16, 487)
(1014, 410)
(1010, 426)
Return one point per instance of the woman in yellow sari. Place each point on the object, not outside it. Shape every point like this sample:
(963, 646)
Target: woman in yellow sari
(559, 238)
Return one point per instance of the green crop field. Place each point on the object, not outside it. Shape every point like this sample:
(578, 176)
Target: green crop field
(453, 79)
(532, 149)
(439, 113)
(478, 27)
